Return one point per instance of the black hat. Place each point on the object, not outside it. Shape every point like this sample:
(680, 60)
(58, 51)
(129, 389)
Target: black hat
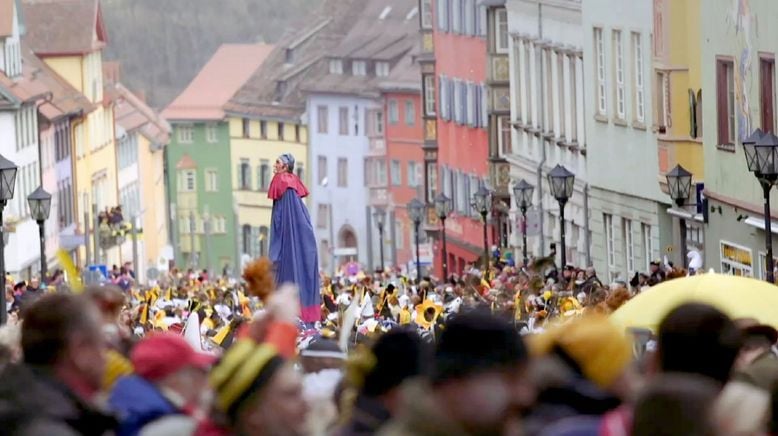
(476, 342)
(400, 354)
(761, 330)
(323, 347)
(655, 263)
(19, 285)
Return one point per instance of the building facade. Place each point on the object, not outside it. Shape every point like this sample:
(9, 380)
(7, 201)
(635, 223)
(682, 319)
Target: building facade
(738, 49)
(629, 221)
(547, 104)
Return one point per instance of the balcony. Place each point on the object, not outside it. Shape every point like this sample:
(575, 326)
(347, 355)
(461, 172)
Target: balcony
(113, 229)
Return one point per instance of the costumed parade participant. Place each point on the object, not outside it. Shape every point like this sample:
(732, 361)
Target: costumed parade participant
(292, 241)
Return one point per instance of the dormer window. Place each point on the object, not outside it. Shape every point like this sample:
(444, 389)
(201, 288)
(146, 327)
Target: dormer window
(289, 56)
(280, 90)
(336, 66)
(382, 69)
(359, 68)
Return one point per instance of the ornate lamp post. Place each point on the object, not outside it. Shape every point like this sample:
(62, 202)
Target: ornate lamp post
(481, 202)
(443, 208)
(522, 192)
(416, 211)
(40, 207)
(379, 216)
(761, 150)
(7, 183)
(679, 183)
(561, 181)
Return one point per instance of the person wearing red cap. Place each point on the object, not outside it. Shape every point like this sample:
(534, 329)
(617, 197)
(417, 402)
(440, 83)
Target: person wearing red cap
(163, 396)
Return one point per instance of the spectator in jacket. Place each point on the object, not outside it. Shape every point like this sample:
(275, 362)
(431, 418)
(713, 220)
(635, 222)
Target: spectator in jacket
(165, 391)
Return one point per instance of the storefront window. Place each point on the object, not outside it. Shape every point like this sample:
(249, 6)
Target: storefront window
(736, 260)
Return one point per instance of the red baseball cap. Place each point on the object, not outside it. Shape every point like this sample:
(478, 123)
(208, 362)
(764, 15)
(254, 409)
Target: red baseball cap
(161, 354)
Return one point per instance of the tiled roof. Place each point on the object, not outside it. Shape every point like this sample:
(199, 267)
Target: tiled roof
(405, 76)
(133, 114)
(39, 81)
(385, 30)
(274, 90)
(57, 27)
(6, 17)
(227, 70)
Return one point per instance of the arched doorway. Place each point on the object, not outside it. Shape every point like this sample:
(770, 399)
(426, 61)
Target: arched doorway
(347, 245)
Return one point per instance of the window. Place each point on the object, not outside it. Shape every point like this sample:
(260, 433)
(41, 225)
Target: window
(470, 17)
(264, 175)
(443, 98)
(263, 129)
(725, 96)
(281, 129)
(504, 135)
(736, 260)
(456, 16)
(629, 253)
(321, 168)
(296, 133)
(767, 93)
(322, 216)
(382, 69)
(399, 235)
(336, 66)
(322, 119)
(639, 94)
(410, 113)
(396, 173)
(359, 68)
(244, 175)
(211, 133)
(189, 181)
(342, 172)
(246, 128)
(429, 95)
(426, 14)
(394, 112)
(379, 123)
(618, 64)
(501, 38)
(246, 239)
(343, 120)
(300, 170)
(610, 245)
(442, 12)
(380, 172)
(599, 59)
(648, 245)
(185, 134)
(413, 174)
(663, 101)
(211, 181)
(432, 180)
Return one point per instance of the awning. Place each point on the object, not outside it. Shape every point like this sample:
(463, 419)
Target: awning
(759, 223)
(684, 214)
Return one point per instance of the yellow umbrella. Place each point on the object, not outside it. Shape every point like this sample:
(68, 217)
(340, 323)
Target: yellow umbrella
(738, 297)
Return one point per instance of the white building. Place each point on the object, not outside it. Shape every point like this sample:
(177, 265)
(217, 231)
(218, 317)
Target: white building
(547, 115)
(626, 213)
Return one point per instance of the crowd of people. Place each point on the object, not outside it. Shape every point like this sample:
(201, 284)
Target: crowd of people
(517, 350)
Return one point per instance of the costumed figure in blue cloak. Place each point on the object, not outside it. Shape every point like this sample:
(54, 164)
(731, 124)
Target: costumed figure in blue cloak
(292, 241)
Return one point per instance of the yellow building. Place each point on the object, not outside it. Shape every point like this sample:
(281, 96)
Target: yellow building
(69, 37)
(677, 86)
(254, 147)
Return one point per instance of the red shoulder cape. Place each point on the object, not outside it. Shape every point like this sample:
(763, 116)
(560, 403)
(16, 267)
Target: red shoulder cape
(283, 181)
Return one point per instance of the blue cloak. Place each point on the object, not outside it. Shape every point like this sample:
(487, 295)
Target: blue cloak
(293, 251)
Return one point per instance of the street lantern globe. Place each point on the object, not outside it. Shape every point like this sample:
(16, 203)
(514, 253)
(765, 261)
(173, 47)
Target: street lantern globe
(379, 216)
(679, 183)
(442, 205)
(40, 204)
(749, 149)
(7, 179)
(481, 200)
(416, 210)
(766, 156)
(522, 191)
(561, 181)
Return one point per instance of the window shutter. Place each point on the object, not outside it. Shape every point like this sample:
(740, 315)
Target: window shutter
(477, 109)
(692, 114)
(721, 85)
(484, 106)
(450, 99)
(442, 97)
(239, 172)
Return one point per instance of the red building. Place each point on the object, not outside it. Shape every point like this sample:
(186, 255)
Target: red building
(404, 157)
(453, 63)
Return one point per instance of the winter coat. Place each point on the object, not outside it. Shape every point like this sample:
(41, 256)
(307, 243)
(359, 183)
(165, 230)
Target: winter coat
(138, 403)
(33, 403)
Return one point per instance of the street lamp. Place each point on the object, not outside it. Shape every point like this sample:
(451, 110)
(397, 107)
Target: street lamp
(761, 150)
(416, 211)
(443, 208)
(561, 181)
(522, 192)
(679, 184)
(7, 183)
(481, 202)
(379, 216)
(40, 207)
